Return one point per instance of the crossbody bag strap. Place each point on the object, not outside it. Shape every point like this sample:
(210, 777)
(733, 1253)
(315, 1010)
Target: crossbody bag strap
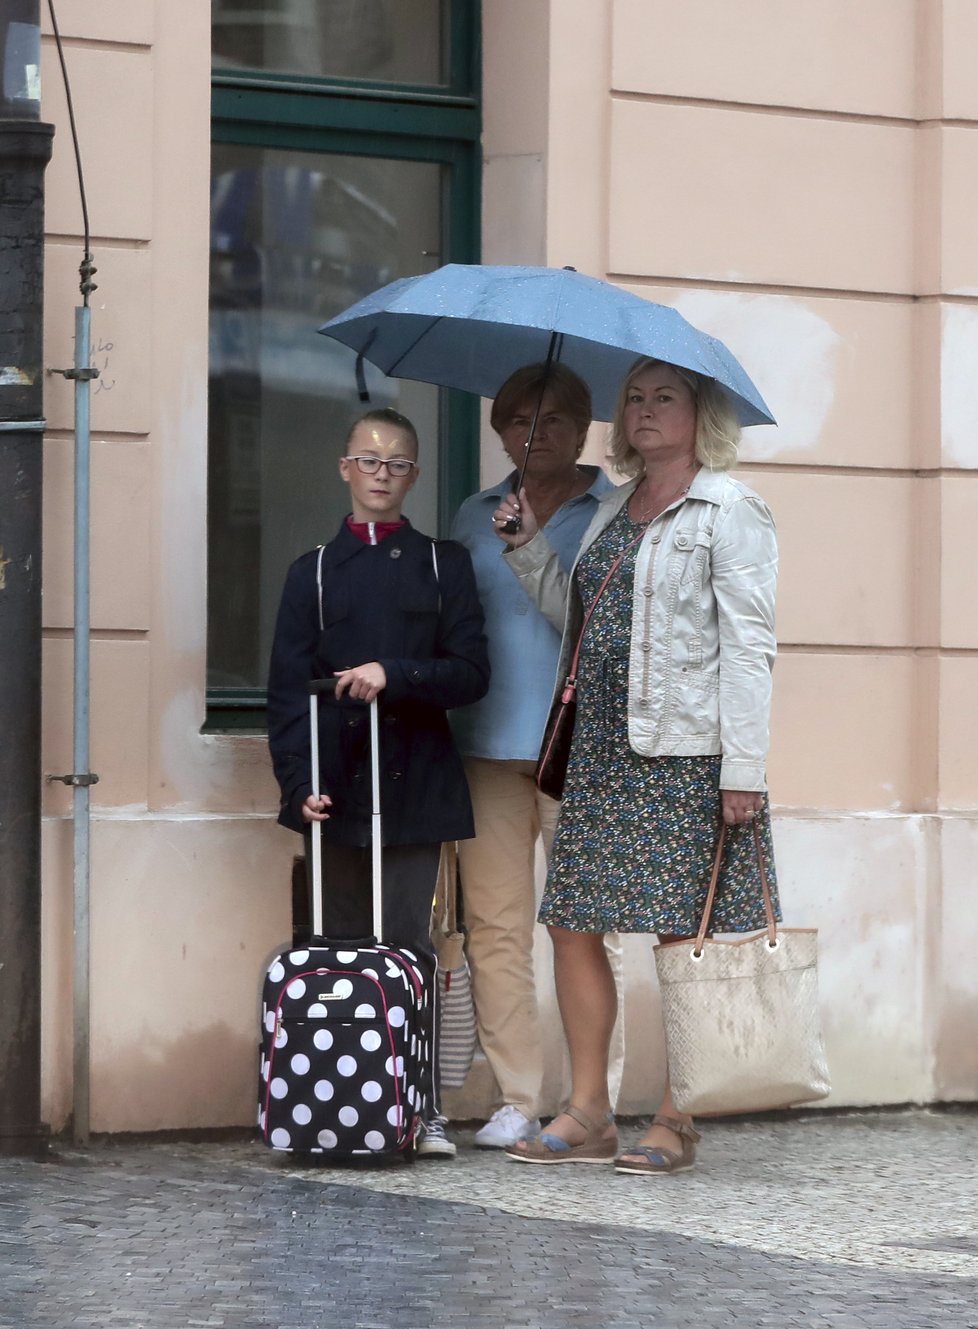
(571, 681)
(319, 584)
(434, 564)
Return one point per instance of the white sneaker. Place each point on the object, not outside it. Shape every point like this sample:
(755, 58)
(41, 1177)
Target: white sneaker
(430, 1140)
(506, 1126)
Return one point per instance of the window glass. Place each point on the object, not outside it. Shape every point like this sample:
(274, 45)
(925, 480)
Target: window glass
(392, 41)
(296, 238)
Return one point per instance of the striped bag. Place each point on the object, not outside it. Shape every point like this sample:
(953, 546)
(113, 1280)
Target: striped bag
(457, 1037)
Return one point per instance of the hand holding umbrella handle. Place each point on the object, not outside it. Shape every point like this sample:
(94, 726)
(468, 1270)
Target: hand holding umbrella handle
(515, 521)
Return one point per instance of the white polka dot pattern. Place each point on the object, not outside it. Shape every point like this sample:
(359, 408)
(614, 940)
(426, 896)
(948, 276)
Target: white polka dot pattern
(346, 1036)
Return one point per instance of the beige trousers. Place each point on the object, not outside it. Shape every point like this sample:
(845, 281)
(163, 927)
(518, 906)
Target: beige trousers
(500, 901)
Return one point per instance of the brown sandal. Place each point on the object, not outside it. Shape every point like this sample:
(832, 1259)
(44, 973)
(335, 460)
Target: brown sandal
(596, 1147)
(659, 1162)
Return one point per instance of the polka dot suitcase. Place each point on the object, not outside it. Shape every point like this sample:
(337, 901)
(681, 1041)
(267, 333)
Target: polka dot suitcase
(346, 1028)
(344, 1038)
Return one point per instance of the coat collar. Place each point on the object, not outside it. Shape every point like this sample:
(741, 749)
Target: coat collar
(708, 486)
(346, 545)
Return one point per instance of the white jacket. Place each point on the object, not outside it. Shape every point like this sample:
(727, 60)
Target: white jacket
(702, 640)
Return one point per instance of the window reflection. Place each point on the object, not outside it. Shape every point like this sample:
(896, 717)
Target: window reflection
(295, 239)
(394, 41)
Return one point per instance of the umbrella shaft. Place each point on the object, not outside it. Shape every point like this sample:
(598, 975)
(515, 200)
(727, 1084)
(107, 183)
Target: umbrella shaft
(553, 353)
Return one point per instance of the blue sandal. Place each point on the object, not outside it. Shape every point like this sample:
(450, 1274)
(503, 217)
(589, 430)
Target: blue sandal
(647, 1160)
(597, 1147)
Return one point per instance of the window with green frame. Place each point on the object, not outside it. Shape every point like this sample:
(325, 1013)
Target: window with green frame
(345, 154)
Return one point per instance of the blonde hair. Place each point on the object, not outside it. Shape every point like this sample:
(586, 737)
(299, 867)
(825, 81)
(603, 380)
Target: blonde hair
(717, 430)
(385, 415)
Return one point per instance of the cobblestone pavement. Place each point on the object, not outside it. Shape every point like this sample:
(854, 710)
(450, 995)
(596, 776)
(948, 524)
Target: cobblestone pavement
(827, 1222)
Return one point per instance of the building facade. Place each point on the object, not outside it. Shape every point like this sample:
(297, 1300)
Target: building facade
(798, 179)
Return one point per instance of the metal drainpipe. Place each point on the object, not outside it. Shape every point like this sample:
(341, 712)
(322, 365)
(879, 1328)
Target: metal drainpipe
(81, 778)
(25, 149)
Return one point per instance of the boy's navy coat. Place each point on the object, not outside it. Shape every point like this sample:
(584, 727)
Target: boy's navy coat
(380, 602)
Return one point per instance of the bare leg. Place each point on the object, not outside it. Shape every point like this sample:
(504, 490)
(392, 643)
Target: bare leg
(661, 1137)
(588, 1005)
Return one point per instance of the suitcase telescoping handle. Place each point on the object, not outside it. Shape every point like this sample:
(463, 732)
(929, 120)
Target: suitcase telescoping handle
(316, 686)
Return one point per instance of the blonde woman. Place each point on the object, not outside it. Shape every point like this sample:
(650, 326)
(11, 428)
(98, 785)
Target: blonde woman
(672, 726)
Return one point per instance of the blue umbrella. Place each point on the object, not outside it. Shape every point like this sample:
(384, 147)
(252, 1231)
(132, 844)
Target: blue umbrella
(470, 326)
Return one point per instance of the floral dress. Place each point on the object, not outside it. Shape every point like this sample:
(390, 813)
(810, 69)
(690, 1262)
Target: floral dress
(637, 835)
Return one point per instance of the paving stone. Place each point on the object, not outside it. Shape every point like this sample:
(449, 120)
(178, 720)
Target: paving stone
(807, 1220)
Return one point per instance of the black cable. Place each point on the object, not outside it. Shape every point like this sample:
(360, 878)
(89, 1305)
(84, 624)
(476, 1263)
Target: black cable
(87, 268)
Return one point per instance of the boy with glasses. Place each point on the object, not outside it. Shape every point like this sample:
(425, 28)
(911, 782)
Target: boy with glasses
(394, 615)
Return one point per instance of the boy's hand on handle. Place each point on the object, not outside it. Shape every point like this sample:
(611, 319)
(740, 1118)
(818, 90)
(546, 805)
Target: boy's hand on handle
(513, 507)
(314, 808)
(363, 682)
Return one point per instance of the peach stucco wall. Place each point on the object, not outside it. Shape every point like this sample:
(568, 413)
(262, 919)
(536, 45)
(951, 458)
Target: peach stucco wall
(189, 872)
(796, 179)
(799, 180)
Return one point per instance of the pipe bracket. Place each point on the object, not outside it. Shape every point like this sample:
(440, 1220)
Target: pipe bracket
(83, 374)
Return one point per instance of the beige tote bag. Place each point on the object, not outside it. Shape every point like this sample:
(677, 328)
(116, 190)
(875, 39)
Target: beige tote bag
(743, 1032)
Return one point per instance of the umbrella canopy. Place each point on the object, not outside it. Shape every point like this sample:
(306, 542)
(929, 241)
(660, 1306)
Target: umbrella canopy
(470, 326)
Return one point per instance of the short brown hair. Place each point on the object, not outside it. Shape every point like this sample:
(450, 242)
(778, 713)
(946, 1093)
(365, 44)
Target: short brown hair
(571, 394)
(385, 415)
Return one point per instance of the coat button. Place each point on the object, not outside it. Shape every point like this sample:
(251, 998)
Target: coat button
(353, 722)
(647, 590)
(394, 775)
(646, 646)
(680, 540)
(395, 552)
(656, 539)
(390, 719)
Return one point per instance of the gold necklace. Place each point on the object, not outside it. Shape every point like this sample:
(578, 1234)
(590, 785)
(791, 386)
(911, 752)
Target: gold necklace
(647, 514)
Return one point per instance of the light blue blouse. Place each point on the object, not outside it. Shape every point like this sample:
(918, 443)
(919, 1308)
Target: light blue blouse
(507, 724)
